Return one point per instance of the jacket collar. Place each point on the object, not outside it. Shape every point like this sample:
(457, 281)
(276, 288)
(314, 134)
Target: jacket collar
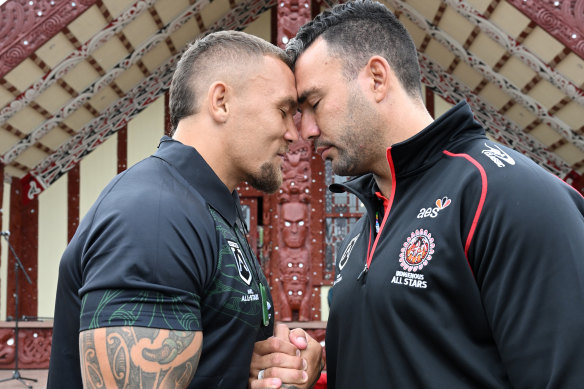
(195, 170)
(425, 148)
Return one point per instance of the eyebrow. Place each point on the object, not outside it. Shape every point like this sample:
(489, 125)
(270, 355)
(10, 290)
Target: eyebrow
(290, 103)
(302, 98)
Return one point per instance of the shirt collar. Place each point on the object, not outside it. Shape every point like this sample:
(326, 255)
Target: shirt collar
(195, 170)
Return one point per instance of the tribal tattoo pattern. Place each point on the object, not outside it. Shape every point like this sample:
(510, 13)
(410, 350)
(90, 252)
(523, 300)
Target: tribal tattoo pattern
(138, 357)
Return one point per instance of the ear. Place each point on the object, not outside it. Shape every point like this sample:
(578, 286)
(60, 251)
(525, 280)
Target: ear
(217, 98)
(380, 76)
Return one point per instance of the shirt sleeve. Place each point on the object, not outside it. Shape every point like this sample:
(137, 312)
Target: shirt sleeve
(147, 260)
(528, 261)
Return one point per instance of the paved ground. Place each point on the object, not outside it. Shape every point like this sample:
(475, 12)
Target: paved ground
(40, 375)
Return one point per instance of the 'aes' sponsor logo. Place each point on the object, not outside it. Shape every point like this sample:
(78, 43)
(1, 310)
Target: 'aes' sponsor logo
(433, 212)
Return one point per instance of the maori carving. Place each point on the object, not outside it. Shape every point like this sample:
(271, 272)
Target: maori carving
(26, 25)
(296, 172)
(291, 15)
(294, 264)
(291, 268)
(293, 276)
(6, 347)
(562, 19)
(34, 348)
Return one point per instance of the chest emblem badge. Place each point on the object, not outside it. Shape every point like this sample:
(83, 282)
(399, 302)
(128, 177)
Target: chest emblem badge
(242, 268)
(417, 250)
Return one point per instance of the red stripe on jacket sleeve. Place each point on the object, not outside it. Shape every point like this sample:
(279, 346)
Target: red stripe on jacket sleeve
(481, 201)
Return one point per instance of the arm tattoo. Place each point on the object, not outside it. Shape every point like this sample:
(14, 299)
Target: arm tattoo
(137, 357)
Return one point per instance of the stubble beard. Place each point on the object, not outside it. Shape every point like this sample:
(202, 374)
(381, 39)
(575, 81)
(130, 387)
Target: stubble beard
(356, 146)
(350, 160)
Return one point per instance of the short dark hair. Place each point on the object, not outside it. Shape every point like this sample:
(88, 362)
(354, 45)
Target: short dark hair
(205, 56)
(356, 31)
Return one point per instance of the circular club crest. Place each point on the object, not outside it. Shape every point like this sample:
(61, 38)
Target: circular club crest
(417, 250)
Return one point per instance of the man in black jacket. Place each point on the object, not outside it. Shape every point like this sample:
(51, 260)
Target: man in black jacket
(467, 269)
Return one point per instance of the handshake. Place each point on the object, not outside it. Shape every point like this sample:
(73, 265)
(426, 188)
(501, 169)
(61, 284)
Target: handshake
(289, 359)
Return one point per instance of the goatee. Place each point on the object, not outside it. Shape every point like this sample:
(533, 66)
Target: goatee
(268, 180)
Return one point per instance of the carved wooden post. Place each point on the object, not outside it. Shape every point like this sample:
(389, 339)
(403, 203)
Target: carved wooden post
(295, 271)
(291, 261)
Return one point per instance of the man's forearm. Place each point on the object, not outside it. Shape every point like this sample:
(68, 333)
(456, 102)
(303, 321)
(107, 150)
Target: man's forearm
(137, 357)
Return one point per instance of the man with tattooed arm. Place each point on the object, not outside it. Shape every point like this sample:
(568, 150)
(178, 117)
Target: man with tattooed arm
(159, 287)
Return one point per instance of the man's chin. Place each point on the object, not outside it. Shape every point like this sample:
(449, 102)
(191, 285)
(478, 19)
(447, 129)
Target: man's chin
(268, 183)
(341, 169)
(266, 189)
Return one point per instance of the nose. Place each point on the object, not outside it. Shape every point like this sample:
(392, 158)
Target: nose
(308, 127)
(291, 134)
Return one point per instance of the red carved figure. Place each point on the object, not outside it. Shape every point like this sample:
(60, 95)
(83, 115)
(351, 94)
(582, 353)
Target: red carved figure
(293, 283)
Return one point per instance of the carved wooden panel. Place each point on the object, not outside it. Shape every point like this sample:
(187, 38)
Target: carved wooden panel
(24, 240)
(564, 19)
(26, 25)
(34, 348)
(291, 262)
(291, 14)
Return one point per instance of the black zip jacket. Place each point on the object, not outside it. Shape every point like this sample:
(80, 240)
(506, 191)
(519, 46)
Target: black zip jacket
(475, 278)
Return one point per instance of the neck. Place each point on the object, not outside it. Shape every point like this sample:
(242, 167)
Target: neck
(405, 117)
(198, 134)
(385, 184)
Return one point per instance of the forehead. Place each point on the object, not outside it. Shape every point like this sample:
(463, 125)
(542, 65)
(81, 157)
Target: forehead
(315, 68)
(275, 74)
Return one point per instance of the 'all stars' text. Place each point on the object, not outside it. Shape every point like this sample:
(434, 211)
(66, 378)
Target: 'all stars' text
(409, 279)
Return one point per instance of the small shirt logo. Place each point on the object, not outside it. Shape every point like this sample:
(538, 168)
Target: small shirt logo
(433, 212)
(347, 253)
(242, 267)
(417, 250)
(498, 156)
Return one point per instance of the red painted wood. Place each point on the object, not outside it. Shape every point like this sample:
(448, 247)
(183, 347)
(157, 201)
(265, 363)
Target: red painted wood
(34, 346)
(122, 149)
(24, 240)
(73, 180)
(26, 25)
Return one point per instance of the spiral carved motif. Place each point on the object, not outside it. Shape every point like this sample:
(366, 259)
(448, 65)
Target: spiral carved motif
(51, 26)
(25, 27)
(14, 19)
(14, 55)
(547, 20)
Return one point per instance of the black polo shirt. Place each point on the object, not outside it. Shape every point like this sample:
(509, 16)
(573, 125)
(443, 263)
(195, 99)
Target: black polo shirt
(163, 247)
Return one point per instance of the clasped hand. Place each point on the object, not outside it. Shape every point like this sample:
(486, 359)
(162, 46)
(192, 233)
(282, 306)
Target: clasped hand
(289, 359)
